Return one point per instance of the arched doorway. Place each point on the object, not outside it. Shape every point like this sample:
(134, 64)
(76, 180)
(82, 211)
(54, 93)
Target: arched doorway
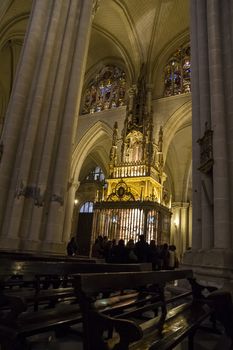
(84, 228)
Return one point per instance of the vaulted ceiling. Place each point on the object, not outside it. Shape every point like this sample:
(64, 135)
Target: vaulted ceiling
(128, 32)
(133, 32)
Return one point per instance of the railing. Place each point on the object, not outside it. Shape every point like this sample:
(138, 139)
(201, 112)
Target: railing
(129, 171)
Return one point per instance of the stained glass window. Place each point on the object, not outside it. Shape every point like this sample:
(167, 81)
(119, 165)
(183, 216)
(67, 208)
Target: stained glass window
(96, 174)
(87, 207)
(177, 73)
(105, 91)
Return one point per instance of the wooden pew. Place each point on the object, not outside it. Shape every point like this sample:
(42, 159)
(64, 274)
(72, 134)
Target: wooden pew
(128, 324)
(20, 322)
(19, 272)
(33, 278)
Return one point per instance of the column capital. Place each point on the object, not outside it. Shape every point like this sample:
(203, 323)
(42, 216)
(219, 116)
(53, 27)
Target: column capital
(73, 184)
(180, 205)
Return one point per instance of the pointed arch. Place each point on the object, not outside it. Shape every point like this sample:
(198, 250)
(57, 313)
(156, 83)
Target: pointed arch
(100, 132)
(180, 118)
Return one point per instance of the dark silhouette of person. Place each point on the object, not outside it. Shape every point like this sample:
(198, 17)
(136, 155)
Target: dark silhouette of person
(119, 253)
(98, 248)
(164, 255)
(72, 247)
(154, 255)
(142, 249)
(131, 256)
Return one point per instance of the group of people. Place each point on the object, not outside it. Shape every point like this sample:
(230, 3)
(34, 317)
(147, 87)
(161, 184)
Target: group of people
(161, 257)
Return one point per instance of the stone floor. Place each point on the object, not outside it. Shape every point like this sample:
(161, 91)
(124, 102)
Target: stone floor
(203, 341)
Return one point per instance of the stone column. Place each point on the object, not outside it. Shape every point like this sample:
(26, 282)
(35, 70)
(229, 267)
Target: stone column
(202, 184)
(16, 125)
(218, 88)
(180, 227)
(37, 138)
(208, 107)
(70, 219)
(212, 97)
(70, 115)
(196, 185)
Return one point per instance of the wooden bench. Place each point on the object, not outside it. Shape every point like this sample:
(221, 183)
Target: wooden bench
(44, 274)
(19, 321)
(23, 268)
(150, 322)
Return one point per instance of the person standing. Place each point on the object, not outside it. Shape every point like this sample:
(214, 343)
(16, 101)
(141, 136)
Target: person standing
(142, 249)
(164, 256)
(72, 247)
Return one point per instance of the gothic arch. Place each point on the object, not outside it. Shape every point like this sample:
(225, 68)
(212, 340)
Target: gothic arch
(180, 118)
(94, 138)
(11, 30)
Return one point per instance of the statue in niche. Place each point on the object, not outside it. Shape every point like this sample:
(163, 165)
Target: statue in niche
(133, 147)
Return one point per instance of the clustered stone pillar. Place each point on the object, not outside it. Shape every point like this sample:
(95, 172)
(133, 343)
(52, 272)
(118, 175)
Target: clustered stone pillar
(212, 98)
(180, 227)
(71, 218)
(38, 133)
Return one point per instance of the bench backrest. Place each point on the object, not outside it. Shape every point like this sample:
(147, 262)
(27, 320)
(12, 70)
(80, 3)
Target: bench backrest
(27, 270)
(104, 315)
(90, 284)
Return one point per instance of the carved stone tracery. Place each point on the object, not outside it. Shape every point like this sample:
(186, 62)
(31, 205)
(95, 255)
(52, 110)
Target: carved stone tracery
(206, 150)
(32, 192)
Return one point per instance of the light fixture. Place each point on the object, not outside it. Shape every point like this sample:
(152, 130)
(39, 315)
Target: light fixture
(75, 201)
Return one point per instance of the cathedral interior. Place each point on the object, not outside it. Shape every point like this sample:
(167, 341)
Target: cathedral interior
(103, 131)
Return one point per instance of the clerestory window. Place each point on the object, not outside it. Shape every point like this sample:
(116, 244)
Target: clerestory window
(177, 72)
(106, 91)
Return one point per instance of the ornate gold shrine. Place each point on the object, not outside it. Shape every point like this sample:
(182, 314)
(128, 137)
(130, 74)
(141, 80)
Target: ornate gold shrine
(135, 201)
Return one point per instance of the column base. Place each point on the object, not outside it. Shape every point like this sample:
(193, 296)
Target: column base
(53, 247)
(9, 244)
(212, 267)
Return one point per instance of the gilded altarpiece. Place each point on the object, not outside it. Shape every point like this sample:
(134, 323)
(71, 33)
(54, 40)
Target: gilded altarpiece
(135, 201)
